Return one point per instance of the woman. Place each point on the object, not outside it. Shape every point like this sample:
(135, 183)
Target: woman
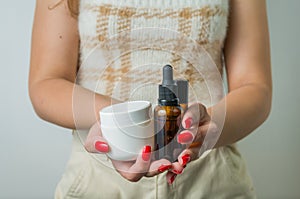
(65, 92)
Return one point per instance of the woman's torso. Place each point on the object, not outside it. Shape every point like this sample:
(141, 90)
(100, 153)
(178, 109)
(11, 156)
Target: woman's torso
(123, 46)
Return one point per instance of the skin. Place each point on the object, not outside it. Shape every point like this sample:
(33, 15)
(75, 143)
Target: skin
(56, 98)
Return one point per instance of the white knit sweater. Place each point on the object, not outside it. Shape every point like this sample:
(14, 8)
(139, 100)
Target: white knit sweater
(125, 44)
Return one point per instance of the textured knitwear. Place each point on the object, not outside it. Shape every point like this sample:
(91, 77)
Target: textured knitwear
(125, 44)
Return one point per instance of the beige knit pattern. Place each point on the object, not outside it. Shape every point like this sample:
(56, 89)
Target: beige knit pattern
(125, 44)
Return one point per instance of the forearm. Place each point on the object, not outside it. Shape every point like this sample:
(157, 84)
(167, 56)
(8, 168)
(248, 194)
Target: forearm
(66, 104)
(245, 109)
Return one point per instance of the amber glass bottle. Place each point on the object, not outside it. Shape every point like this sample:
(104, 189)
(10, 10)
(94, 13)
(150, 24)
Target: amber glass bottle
(167, 116)
(167, 120)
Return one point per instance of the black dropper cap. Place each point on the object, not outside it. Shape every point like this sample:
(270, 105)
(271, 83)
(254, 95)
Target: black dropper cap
(168, 89)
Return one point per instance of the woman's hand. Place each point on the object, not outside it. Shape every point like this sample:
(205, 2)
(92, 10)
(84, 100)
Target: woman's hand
(130, 170)
(200, 134)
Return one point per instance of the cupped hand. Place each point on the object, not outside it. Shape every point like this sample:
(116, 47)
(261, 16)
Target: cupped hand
(200, 134)
(130, 170)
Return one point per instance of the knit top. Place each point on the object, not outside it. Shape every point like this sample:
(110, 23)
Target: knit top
(125, 43)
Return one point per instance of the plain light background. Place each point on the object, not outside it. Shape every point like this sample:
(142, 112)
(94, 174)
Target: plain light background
(34, 153)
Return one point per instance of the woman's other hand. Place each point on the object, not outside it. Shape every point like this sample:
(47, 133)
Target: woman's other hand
(130, 170)
(200, 134)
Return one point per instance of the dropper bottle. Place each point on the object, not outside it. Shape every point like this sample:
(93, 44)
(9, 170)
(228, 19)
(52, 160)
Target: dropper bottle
(167, 116)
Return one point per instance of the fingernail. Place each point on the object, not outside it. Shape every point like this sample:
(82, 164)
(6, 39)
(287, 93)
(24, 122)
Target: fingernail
(172, 179)
(146, 153)
(164, 167)
(185, 138)
(101, 147)
(185, 159)
(188, 123)
(177, 172)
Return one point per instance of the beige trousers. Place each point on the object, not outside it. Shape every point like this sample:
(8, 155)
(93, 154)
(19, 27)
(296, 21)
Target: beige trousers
(220, 174)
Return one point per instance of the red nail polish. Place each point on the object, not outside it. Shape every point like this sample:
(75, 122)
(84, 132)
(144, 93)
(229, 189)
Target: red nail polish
(172, 179)
(185, 159)
(101, 147)
(188, 123)
(177, 172)
(163, 168)
(146, 153)
(185, 138)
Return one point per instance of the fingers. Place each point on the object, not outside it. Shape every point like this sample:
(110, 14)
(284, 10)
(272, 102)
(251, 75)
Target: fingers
(194, 116)
(163, 165)
(158, 166)
(194, 146)
(138, 169)
(142, 162)
(186, 137)
(177, 169)
(206, 137)
(171, 177)
(185, 157)
(95, 143)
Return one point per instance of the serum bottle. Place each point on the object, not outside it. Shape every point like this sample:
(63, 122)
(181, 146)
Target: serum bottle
(167, 117)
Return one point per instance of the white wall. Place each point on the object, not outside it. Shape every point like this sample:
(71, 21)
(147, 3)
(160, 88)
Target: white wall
(33, 153)
(272, 152)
